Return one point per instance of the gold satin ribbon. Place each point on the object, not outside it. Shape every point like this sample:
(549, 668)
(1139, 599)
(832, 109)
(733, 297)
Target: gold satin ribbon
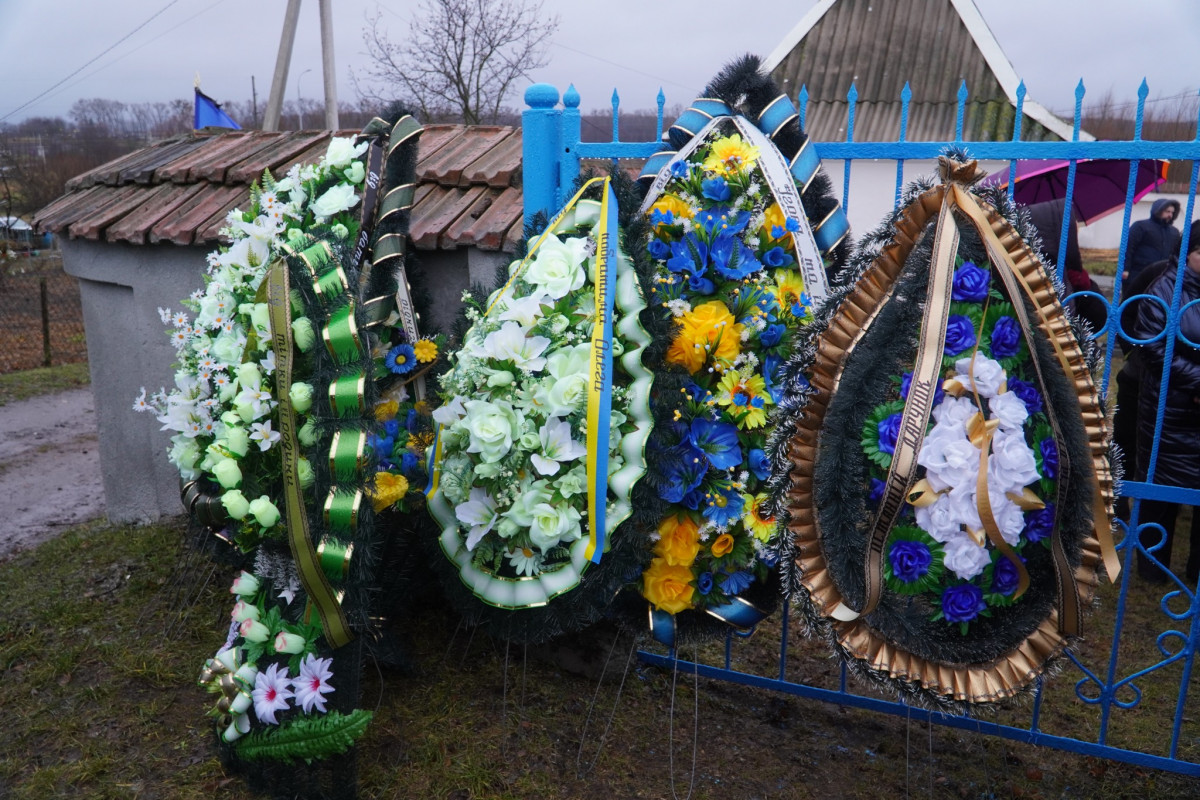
(312, 576)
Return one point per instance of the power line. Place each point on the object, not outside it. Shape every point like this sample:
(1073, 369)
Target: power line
(100, 55)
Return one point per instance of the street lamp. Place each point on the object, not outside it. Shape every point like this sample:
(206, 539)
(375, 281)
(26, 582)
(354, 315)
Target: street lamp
(300, 99)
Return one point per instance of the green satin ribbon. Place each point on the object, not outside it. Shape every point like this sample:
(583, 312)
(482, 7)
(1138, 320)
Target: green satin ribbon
(346, 396)
(341, 336)
(335, 557)
(342, 510)
(312, 576)
(347, 455)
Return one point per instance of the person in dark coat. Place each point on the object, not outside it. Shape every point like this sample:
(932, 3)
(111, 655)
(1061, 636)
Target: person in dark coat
(1152, 240)
(1178, 460)
(1047, 217)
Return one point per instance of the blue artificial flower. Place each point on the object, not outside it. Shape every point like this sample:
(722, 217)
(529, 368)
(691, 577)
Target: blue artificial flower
(409, 463)
(770, 369)
(694, 499)
(391, 428)
(715, 189)
(962, 602)
(771, 335)
(698, 394)
(877, 487)
(705, 583)
(680, 168)
(724, 506)
(1006, 338)
(906, 381)
(737, 582)
(701, 285)
(684, 468)
(1028, 394)
(970, 283)
(910, 560)
(731, 258)
(723, 218)
(793, 225)
(1039, 524)
(960, 334)
(760, 465)
(401, 359)
(659, 249)
(718, 441)
(1049, 458)
(777, 257)
(1005, 577)
(777, 231)
(658, 217)
(382, 445)
(801, 306)
(889, 429)
(412, 421)
(688, 255)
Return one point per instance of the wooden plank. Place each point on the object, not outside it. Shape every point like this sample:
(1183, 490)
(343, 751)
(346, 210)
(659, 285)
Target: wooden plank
(122, 200)
(142, 170)
(178, 171)
(279, 152)
(215, 169)
(137, 224)
(106, 173)
(180, 227)
(69, 206)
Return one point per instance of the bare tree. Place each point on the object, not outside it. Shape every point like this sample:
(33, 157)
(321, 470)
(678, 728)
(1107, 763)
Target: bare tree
(461, 56)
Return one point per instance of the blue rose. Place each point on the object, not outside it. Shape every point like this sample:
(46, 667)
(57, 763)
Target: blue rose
(1028, 394)
(1039, 524)
(970, 283)
(962, 602)
(701, 285)
(889, 429)
(412, 421)
(382, 445)
(1006, 338)
(906, 381)
(771, 335)
(715, 189)
(1049, 458)
(960, 334)
(391, 428)
(409, 462)
(760, 466)
(910, 560)
(659, 249)
(1005, 577)
(777, 257)
(680, 168)
(877, 487)
(705, 583)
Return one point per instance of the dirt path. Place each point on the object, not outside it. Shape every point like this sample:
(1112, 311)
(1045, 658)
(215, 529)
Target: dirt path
(49, 468)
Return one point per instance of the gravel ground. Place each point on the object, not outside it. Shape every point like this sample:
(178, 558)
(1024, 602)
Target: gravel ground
(49, 468)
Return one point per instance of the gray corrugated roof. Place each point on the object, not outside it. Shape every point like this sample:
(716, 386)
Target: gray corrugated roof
(878, 45)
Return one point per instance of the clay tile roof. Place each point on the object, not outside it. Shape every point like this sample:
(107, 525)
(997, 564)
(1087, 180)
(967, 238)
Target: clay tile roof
(180, 189)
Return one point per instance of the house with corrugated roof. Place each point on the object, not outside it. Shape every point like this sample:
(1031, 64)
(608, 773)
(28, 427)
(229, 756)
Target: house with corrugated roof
(879, 47)
(136, 232)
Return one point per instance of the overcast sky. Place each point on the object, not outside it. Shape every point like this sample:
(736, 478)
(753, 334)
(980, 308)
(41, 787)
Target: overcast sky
(634, 46)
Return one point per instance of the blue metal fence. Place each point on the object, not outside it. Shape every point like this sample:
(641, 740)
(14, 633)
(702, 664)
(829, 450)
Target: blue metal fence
(1112, 684)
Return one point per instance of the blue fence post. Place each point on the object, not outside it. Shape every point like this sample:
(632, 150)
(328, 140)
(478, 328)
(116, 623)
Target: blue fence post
(540, 149)
(568, 158)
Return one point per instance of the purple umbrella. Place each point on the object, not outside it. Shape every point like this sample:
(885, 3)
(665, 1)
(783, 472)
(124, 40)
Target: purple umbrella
(1100, 184)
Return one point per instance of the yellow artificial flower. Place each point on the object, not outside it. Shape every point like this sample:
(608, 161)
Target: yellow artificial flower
(386, 410)
(425, 350)
(730, 155)
(789, 290)
(757, 521)
(747, 398)
(668, 588)
(772, 218)
(388, 490)
(671, 204)
(679, 540)
(706, 332)
(723, 546)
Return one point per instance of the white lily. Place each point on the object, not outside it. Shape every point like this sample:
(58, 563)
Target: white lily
(557, 446)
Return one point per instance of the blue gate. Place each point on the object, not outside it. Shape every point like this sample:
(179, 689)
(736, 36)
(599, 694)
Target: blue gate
(1133, 671)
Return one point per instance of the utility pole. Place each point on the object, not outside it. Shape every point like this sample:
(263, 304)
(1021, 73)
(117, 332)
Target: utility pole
(282, 61)
(254, 100)
(330, 74)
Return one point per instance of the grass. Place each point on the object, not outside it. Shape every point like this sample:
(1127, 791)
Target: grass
(15, 386)
(1100, 262)
(99, 665)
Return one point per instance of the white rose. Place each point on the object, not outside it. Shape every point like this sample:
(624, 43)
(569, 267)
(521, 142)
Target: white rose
(341, 151)
(987, 374)
(227, 348)
(337, 198)
(491, 428)
(964, 505)
(1011, 466)
(566, 395)
(1009, 409)
(552, 525)
(953, 411)
(939, 520)
(1008, 516)
(558, 267)
(184, 455)
(523, 509)
(949, 457)
(965, 558)
(527, 310)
